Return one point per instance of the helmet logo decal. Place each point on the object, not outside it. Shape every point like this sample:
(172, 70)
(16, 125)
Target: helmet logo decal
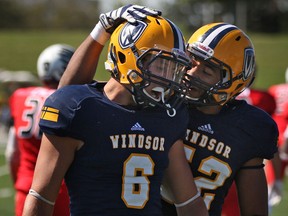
(249, 63)
(205, 51)
(131, 33)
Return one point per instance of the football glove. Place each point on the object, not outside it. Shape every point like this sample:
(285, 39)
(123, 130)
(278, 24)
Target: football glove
(131, 13)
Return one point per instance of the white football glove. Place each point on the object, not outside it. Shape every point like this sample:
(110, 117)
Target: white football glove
(131, 13)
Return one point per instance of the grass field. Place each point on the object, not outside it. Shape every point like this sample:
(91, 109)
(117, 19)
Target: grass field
(19, 51)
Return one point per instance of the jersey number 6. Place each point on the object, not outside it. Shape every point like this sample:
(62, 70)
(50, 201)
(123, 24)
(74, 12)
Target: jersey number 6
(136, 185)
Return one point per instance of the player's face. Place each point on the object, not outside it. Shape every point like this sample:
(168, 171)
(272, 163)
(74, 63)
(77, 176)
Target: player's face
(164, 68)
(205, 72)
(161, 67)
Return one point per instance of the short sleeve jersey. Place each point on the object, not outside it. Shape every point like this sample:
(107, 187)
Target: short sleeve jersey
(25, 106)
(217, 146)
(118, 170)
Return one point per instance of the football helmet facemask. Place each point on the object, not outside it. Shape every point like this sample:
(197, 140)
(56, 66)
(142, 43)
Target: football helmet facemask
(53, 61)
(225, 47)
(149, 55)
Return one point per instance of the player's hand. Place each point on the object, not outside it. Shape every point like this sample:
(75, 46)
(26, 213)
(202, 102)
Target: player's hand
(131, 13)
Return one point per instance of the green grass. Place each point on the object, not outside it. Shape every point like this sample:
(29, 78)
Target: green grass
(271, 59)
(19, 51)
(6, 187)
(282, 208)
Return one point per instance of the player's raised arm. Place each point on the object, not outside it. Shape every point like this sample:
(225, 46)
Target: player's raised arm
(82, 67)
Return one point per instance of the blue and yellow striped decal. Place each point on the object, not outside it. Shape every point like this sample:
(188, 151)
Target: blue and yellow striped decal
(178, 36)
(213, 36)
(49, 114)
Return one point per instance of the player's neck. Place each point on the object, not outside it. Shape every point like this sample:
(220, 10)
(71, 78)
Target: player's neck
(211, 110)
(117, 93)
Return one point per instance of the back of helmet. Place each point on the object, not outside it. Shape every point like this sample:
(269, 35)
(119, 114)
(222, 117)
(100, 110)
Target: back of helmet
(53, 61)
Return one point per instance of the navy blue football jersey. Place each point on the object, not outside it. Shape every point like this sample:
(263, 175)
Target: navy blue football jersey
(118, 170)
(217, 146)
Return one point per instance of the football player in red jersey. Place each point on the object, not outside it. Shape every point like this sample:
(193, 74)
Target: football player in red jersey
(280, 94)
(259, 98)
(116, 145)
(265, 101)
(284, 146)
(24, 135)
(227, 140)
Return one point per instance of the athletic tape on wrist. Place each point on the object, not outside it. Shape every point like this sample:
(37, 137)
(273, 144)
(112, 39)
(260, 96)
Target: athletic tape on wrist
(99, 34)
(38, 196)
(188, 201)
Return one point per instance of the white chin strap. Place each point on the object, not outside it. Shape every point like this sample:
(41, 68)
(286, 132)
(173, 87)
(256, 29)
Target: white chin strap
(192, 98)
(170, 112)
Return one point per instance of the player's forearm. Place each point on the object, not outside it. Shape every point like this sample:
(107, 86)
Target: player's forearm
(36, 207)
(82, 66)
(197, 207)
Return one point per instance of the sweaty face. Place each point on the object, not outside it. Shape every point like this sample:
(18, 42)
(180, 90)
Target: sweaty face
(201, 77)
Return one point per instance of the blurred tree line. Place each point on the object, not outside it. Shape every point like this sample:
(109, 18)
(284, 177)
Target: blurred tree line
(48, 14)
(268, 16)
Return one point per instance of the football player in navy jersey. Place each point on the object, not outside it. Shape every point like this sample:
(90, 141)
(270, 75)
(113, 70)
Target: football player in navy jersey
(115, 145)
(226, 139)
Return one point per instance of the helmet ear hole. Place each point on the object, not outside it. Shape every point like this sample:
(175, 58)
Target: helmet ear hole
(46, 66)
(238, 38)
(122, 57)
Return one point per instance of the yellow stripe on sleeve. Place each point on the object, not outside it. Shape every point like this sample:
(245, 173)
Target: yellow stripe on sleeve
(49, 114)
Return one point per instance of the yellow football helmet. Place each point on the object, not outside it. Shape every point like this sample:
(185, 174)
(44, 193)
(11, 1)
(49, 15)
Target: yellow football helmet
(150, 52)
(227, 47)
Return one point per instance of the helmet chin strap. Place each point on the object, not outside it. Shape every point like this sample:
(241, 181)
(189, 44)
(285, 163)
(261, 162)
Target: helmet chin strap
(170, 111)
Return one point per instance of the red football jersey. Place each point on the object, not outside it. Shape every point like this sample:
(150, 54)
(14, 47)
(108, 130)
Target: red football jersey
(260, 99)
(280, 94)
(25, 107)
